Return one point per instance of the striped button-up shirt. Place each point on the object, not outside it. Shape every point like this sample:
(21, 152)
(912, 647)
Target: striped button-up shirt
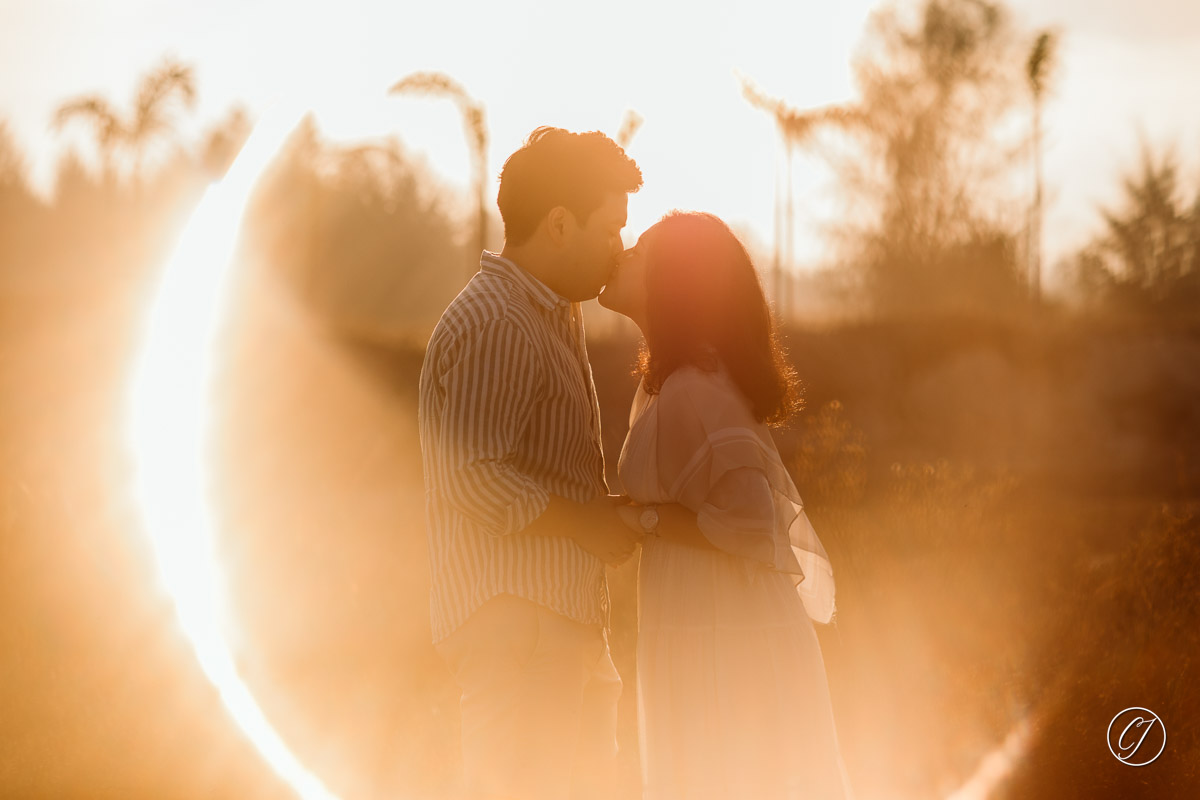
(508, 416)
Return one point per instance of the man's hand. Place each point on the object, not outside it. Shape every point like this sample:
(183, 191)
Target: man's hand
(602, 533)
(595, 526)
(631, 517)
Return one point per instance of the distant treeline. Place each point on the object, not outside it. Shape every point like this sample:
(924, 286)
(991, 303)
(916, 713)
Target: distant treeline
(946, 125)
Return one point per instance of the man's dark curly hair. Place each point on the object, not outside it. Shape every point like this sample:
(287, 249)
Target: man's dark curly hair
(556, 167)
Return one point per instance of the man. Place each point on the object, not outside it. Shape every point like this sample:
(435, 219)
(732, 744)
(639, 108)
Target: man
(519, 521)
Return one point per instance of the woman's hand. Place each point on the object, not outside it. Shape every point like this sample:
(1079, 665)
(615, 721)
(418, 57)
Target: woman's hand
(605, 533)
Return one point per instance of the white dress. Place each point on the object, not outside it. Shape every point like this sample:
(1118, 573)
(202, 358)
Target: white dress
(732, 696)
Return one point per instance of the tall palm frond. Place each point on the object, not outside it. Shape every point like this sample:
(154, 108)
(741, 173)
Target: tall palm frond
(108, 128)
(155, 93)
(149, 118)
(797, 129)
(1037, 69)
(1041, 61)
(438, 84)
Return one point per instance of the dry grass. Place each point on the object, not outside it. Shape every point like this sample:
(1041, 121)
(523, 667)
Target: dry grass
(988, 566)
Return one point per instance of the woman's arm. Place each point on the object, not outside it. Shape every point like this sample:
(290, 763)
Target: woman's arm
(738, 514)
(676, 523)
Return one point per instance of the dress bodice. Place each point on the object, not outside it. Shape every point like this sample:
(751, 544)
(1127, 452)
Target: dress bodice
(696, 443)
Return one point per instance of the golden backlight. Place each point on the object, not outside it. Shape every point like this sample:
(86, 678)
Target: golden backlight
(170, 425)
(170, 430)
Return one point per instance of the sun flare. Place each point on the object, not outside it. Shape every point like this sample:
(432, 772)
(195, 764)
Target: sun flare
(169, 431)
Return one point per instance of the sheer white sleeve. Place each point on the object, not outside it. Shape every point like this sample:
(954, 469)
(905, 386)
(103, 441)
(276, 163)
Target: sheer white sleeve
(716, 459)
(738, 515)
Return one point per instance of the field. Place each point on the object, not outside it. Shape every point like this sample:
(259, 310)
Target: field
(1011, 510)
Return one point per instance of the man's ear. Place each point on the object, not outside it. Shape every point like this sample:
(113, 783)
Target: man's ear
(559, 222)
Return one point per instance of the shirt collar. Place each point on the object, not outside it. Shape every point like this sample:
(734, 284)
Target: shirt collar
(543, 294)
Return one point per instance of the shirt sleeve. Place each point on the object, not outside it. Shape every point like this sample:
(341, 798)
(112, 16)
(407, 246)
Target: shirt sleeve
(490, 393)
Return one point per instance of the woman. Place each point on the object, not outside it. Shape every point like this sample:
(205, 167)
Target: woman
(732, 696)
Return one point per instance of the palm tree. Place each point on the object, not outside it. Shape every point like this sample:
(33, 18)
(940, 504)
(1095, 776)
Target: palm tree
(150, 117)
(797, 129)
(1037, 69)
(438, 84)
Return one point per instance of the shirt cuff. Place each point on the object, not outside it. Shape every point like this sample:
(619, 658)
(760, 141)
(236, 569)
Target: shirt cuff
(525, 508)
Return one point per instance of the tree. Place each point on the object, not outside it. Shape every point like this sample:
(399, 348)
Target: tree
(223, 141)
(926, 164)
(21, 212)
(151, 117)
(1148, 259)
(361, 234)
(12, 165)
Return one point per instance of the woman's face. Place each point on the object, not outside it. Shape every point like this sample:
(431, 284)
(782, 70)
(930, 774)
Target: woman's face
(625, 291)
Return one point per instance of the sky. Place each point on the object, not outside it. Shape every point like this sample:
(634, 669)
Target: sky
(1125, 75)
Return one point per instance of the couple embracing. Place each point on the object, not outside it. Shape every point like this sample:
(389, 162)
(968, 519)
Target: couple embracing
(731, 689)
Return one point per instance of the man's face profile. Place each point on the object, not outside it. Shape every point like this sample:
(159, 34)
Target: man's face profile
(595, 247)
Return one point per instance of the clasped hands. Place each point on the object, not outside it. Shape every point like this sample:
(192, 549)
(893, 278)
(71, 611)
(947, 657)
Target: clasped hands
(612, 531)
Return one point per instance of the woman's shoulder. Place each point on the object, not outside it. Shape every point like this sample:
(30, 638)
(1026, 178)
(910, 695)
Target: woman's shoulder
(690, 377)
(707, 394)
